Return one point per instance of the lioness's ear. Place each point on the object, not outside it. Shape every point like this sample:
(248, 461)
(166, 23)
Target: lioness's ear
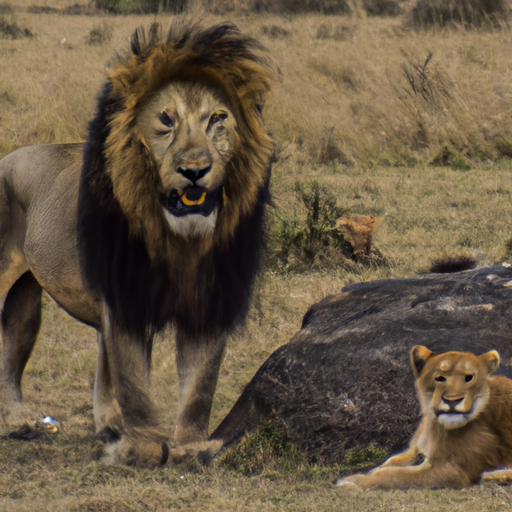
(419, 355)
(491, 359)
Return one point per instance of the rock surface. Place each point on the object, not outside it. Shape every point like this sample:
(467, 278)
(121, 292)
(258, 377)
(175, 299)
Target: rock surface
(344, 379)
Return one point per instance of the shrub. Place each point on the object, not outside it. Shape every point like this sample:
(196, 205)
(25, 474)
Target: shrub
(310, 239)
(504, 148)
(12, 30)
(100, 35)
(449, 157)
(300, 6)
(372, 7)
(382, 7)
(141, 6)
(274, 31)
(6, 8)
(470, 13)
(440, 117)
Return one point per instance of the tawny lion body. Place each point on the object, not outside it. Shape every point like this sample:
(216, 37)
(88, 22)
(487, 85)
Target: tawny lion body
(156, 220)
(466, 427)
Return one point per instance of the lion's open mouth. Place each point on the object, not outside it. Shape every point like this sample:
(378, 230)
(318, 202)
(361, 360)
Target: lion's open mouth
(190, 201)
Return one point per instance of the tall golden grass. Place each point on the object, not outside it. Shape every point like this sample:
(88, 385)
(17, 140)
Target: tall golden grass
(351, 90)
(362, 106)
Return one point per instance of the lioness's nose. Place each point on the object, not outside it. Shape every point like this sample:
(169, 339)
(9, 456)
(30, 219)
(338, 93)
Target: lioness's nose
(194, 173)
(452, 403)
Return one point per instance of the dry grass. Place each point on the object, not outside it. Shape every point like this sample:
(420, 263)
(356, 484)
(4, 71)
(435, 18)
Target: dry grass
(350, 112)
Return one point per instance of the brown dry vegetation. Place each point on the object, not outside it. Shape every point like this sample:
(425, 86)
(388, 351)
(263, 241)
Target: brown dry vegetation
(355, 109)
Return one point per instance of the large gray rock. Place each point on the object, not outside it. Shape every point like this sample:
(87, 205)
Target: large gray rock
(344, 379)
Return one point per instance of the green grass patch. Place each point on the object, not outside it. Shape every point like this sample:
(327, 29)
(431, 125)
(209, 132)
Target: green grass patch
(269, 450)
(448, 157)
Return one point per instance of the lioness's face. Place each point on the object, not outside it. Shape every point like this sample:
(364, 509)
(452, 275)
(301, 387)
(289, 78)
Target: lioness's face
(191, 132)
(453, 386)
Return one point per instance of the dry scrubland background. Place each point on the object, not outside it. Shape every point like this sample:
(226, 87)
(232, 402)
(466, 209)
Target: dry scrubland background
(364, 124)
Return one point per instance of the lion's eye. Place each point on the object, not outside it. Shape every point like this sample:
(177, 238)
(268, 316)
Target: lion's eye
(166, 120)
(217, 118)
(468, 378)
(440, 378)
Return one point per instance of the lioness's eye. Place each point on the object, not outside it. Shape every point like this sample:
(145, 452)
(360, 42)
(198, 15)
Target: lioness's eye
(440, 378)
(166, 120)
(468, 378)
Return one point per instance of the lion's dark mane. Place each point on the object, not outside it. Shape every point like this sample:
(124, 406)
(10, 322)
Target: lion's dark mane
(144, 293)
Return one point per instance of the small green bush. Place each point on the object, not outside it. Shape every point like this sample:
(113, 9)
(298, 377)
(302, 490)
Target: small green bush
(310, 239)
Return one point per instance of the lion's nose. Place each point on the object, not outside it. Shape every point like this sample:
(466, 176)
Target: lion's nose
(452, 403)
(193, 173)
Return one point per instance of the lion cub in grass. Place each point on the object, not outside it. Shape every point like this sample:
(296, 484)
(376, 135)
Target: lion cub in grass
(466, 427)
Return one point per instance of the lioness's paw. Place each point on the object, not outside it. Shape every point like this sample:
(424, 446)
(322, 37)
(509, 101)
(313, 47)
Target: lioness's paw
(353, 482)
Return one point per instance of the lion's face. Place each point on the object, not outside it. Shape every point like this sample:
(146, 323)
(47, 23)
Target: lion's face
(190, 130)
(453, 386)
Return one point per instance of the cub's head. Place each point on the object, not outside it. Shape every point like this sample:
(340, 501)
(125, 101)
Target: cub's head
(454, 386)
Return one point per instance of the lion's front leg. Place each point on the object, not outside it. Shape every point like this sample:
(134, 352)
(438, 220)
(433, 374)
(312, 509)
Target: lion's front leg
(406, 458)
(107, 414)
(198, 362)
(124, 368)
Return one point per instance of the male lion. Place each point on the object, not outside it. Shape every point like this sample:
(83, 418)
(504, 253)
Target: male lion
(466, 427)
(157, 219)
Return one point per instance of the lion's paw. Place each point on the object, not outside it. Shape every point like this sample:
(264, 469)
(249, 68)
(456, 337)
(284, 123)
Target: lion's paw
(17, 418)
(140, 451)
(202, 452)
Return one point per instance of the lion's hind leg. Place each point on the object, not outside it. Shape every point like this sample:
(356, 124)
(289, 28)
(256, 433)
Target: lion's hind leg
(20, 322)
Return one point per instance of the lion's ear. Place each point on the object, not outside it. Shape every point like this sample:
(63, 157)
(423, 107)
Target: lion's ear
(492, 360)
(419, 355)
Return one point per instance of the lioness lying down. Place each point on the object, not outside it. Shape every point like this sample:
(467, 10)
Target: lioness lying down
(466, 427)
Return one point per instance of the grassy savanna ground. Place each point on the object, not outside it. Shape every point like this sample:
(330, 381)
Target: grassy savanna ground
(343, 113)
